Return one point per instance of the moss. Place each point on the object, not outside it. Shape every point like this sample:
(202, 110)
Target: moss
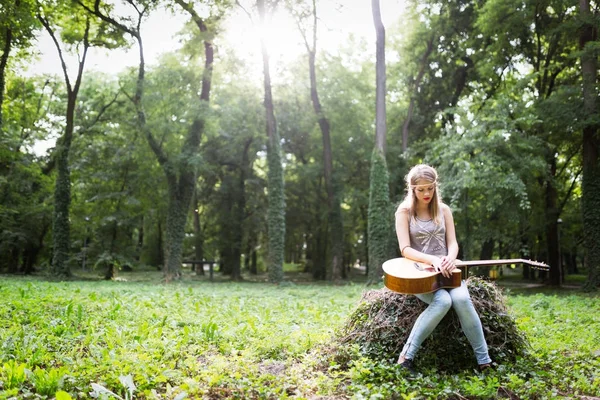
(276, 213)
(383, 320)
(379, 216)
(62, 202)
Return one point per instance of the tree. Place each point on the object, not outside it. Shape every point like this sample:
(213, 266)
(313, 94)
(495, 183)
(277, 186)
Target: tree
(180, 169)
(76, 30)
(591, 144)
(379, 203)
(25, 188)
(275, 182)
(336, 226)
(17, 26)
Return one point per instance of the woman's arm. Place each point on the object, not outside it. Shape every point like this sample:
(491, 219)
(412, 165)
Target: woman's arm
(451, 243)
(402, 225)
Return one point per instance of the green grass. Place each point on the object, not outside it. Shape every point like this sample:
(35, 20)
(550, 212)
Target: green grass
(196, 339)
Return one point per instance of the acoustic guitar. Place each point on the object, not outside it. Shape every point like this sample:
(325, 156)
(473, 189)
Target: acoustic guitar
(407, 276)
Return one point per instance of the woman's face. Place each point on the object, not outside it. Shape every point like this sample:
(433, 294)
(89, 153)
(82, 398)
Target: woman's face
(424, 191)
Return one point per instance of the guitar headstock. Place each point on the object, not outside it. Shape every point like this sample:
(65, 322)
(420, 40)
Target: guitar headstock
(537, 264)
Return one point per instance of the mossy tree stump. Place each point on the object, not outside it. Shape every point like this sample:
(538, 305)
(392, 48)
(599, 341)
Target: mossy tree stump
(383, 320)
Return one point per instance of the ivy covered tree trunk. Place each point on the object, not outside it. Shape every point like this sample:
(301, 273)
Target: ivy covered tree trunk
(181, 180)
(198, 235)
(62, 190)
(379, 193)
(591, 148)
(275, 183)
(379, 216)
(179, 201)
(62, 201)
(276, 211)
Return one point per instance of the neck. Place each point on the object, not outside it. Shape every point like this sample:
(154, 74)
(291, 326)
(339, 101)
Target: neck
(422, 206)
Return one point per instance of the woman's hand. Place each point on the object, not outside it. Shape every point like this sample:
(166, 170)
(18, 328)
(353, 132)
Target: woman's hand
(447, 265)
(436, 262)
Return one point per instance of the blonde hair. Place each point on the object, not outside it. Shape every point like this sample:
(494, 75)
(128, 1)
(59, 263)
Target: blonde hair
(422, 172)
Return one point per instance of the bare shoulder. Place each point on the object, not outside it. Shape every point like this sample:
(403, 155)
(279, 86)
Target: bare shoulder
(446, 210)
(403, 208)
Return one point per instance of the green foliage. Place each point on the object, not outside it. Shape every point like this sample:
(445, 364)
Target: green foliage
(379, 216)
(196, 338)
(47, 383)
(257, 341)
(13, 374)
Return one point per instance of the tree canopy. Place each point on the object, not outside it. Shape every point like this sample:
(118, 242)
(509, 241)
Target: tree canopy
(194, 155)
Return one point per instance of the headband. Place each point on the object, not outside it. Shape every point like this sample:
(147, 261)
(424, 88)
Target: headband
(425, 184)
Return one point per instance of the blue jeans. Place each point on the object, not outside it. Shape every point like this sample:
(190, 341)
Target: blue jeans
(440, 302)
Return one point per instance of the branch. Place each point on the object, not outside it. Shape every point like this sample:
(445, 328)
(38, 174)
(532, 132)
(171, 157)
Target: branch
(303, 34)
(189, 8)
(135, 7)
(86, 46)
(566, 164)
(60, 54)
(156, 147)
(564, 202)
(96, 11)
(246, 11)
(102, 111)
(314, 26)
(208, 49)
(39, 105)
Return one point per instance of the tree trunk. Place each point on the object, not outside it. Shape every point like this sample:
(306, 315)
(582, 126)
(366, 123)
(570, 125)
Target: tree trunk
(551, 211)
(254, 263)
(111, 268)
(161, 246)
(380, 221)
(275, 182)
(591, 150)
(198, 236)
(140, 240)
(180, 196)
(336, 226)
(62, 190)
(487, 250)
(239, 210)
(8, 35)
(62, 200)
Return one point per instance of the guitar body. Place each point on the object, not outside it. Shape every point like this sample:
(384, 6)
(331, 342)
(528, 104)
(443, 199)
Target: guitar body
(410, 277)
(407, 276)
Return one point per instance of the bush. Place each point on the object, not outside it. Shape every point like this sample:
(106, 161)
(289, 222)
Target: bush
(383, 320)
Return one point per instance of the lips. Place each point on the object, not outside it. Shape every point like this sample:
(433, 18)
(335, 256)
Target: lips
(426, 198)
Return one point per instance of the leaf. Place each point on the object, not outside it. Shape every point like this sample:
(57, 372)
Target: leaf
(62, 395)
(100, 390)
(127, 382)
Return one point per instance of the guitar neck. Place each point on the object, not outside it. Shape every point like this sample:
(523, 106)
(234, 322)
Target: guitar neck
(501, 262)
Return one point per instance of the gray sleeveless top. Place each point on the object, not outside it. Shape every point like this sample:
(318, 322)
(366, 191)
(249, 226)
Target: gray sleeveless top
(428, 237)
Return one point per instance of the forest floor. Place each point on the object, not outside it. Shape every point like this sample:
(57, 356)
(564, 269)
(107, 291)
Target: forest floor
(140, 338)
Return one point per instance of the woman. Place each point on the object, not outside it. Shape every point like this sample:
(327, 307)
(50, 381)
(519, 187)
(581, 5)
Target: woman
(425, 230)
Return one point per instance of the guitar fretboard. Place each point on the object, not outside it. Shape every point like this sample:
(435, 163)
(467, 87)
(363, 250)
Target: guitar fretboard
(534, 264)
